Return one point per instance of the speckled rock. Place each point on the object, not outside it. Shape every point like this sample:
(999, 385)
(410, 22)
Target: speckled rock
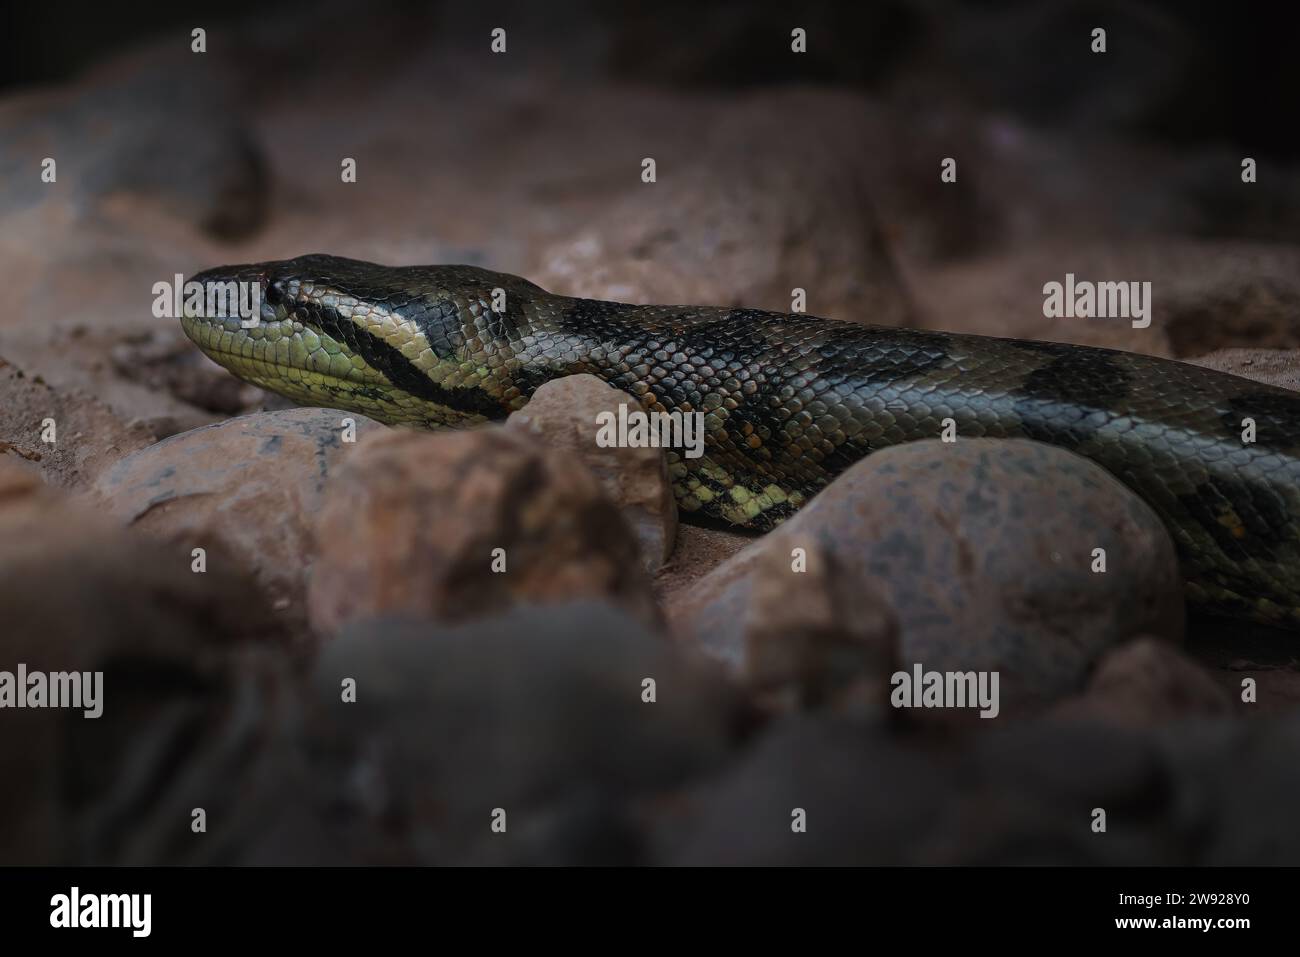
(247, 487)
(984, 549)
(564, 413)
(457, 525)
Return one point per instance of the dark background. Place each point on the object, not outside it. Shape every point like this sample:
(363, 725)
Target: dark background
(1225, 72)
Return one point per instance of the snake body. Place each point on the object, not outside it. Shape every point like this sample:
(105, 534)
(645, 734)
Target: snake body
(790, 400)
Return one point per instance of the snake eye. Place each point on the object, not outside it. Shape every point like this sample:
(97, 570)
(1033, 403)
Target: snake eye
(274, 293)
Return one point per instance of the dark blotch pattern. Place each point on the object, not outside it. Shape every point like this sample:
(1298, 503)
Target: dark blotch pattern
(384, 358)
(1071, 397)
(1276, 415)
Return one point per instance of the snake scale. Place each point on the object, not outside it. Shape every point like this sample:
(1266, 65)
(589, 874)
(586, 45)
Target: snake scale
(790, 401)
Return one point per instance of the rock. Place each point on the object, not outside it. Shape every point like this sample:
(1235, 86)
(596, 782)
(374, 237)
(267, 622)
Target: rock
(1215, 792)
(1147, 682)
(1034, 788)
(541, 712)
(248, 487)
(87, 435)
(1237, 783)
(1276, 367)
(767, 216)
(816, 636)
(820, 791)
(564, 413)
(180, 146)
(697, 551)
(19, 479)
(1207, 294)
(865, 799)
(190, 708)
(455, 525)
(983, 548)
(165, 360)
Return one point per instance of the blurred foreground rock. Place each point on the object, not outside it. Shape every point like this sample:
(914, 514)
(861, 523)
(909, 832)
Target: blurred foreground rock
(546, 721)
(192, 707)
(1195, 793)
(1146, 683)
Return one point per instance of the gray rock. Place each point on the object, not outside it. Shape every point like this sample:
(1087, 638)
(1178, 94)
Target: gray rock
(867, 799)
(983, 548)
(192, 709)
(540, 713)
(1021, 796)
(133, 134)
(1238, 782)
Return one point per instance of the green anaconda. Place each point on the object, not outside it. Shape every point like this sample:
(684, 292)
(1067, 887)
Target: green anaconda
(789, 401)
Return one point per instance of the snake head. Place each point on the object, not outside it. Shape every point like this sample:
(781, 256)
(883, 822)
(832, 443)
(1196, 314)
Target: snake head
(340, 333)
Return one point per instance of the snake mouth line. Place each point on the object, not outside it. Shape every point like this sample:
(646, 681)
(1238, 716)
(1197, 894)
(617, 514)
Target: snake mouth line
(384, 401)
(272, 375)
(236, 357)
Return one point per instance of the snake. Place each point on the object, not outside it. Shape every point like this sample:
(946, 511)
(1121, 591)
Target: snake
(788, 401)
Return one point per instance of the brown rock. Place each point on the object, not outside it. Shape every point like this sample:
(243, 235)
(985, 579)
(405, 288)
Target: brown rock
(814, 636)
(246, 486)
(1206, 295)
(564, 413)
(88, 436)
(18, 478)
(164, 360)
(1277, 367)
(767, 215)
(458, 525)
(1147, 682)
(984, 550)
